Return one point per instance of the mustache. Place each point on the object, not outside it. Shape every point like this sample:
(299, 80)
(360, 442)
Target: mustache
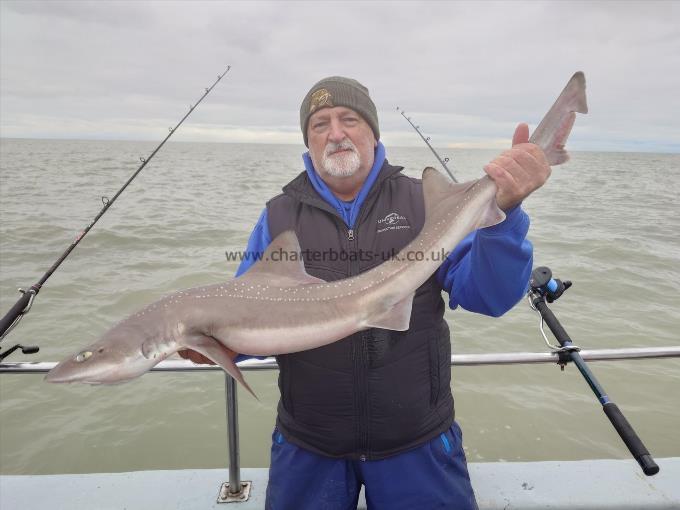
(332, 147)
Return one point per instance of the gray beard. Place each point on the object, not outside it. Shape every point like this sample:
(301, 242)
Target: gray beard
(345, 164)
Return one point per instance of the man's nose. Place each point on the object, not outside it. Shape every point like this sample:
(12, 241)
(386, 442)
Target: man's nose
(337, 133)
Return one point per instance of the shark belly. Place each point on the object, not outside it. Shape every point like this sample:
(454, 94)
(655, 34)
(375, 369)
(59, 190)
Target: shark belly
(291, 327)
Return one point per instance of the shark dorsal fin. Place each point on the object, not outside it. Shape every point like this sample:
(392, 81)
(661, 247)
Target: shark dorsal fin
(281, 263)
(436, 188)
(440, 191)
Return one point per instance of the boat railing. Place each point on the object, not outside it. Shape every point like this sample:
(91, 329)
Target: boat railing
(236, 490)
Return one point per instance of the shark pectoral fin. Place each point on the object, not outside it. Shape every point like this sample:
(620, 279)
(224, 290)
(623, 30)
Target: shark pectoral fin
(396, 318)
(156, 350)
(281, 263)
(215, 351)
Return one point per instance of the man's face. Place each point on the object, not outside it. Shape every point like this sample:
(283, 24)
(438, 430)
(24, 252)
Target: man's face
(341, 143)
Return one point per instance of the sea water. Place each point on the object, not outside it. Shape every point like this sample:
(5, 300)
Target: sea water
(609, 222)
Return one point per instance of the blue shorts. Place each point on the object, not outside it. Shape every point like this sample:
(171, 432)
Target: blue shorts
(431, 476)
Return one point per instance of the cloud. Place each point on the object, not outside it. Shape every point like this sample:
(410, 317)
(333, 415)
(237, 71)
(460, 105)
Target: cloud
(469, 71)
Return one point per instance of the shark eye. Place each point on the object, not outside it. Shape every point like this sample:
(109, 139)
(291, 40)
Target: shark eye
(83, 356)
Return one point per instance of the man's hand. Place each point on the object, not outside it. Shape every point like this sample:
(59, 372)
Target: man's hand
(518, 171)
(196, 357)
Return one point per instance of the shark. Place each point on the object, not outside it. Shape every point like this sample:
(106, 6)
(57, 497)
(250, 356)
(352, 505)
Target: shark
(278, 308)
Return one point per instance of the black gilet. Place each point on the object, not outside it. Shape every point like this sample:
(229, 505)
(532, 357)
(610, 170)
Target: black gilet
(377, 392)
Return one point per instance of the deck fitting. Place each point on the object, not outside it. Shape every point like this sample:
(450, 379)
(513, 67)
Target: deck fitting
(225, 496)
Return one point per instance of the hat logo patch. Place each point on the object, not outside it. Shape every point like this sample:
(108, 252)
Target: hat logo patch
(319, 99)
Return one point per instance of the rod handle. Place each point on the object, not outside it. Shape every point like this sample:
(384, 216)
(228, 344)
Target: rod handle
(14, 312)
(633, 442)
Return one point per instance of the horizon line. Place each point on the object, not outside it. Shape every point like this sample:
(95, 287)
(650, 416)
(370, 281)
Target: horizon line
(459, 145)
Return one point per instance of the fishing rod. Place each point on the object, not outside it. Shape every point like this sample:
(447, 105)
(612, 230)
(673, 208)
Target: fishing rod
(24, 303)
(542, 288)
(427, 141)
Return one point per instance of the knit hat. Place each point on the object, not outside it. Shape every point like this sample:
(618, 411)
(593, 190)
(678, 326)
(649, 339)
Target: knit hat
(338, 91)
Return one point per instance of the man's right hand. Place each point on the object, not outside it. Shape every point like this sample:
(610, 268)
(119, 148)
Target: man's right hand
(196, 357)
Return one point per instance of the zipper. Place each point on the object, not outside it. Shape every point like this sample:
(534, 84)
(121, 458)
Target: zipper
(364, 417)
(360, 354)
(352, 244)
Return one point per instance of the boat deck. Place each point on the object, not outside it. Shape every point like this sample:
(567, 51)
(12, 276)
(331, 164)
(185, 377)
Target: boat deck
(592, 484)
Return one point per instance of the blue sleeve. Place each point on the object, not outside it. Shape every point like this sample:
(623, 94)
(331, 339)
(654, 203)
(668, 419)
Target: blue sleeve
(488, 272)
(257, 244)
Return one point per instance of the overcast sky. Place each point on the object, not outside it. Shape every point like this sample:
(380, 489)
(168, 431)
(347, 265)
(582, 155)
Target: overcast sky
(465, 72)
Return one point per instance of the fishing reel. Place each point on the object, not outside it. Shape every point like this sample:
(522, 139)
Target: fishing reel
(544, 288)
(544, 285)
(26, 349)
(9, 321)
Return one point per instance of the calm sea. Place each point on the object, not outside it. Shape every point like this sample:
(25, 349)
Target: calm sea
(610, 222)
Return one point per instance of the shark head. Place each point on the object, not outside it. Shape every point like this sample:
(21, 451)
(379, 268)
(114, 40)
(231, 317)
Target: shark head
(112, 359)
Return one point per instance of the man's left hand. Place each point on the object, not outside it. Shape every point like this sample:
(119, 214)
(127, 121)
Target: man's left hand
(519, 171)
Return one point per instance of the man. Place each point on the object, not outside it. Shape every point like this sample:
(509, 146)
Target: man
(376, 408)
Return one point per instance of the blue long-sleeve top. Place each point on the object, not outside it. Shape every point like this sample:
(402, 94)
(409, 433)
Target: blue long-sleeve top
(488, 272)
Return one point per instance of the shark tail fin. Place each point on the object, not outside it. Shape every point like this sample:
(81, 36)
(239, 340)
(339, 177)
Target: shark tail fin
(443, 196)
(577, 89)
(555, 153)
(215, 351)
(552, 132)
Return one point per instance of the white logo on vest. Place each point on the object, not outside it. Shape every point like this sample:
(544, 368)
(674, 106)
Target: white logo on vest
(393, 221)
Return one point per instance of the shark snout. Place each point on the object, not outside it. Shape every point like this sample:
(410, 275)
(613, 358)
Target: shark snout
(62, 373)
(91, 366)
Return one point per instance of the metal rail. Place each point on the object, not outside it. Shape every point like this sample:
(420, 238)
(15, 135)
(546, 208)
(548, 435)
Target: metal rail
(237, 490)
(464, 360)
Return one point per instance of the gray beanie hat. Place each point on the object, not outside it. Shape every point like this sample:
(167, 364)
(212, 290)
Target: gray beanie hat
(338, 91)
